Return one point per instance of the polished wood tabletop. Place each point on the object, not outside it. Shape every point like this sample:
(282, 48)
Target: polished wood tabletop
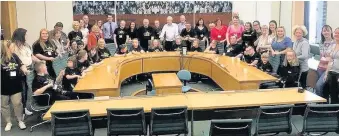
(194, 101)
(165, 80)
(229, 73)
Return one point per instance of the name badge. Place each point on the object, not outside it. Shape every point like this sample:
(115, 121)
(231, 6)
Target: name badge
(62, 41)
(289, 72)
(201, 35)
(120, 36)
(219, 36)
(228, 50)
(12, 73)
(49, 53)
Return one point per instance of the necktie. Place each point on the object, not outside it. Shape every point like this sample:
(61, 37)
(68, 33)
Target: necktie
(110, 30)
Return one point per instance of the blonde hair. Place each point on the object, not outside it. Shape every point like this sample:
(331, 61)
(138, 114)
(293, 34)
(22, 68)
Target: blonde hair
(41, 42)
(74, 23)
(101, 39)
(265, 55)
(276, 32)
(81, 54)
(95, 27)
(37, 65)
(6, 55)
(74, 60)
(295, 61)
(302, 28)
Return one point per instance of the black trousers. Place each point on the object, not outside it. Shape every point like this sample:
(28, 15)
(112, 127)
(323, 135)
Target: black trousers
(333, 89)
(109, 41)
(303, 78)
(169, 46)
(144, 44)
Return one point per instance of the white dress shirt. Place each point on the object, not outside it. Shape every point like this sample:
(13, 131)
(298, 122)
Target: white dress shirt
(171, 32)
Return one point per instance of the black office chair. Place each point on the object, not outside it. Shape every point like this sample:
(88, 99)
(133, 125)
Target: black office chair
(126, 122)
(231, 127)
(72, 123)
(321, 118)
(85, 95)
(150, 90)
(40, 105)
(166, 121)
(274, 119)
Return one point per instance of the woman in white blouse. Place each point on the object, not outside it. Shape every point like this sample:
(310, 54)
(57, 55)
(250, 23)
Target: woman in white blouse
(84, 32)
(263, 43)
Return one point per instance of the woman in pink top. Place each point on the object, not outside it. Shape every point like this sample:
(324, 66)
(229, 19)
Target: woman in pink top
(235, 29)
(218, 33)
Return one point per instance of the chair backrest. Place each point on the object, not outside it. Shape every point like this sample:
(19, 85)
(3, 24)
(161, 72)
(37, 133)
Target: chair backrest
(321, 118)
(184, 75)
(75, 123)
(221, 47)
(85, 95)
(111, 47)
(231, 127)
(274, 119)
(172, 120)
(126, 122)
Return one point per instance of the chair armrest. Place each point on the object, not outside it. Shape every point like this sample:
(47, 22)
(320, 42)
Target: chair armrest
(35, 105)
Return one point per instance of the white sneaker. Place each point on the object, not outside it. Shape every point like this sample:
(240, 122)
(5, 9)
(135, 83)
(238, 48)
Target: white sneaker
(8, 127)
(22, 125)
(27, 112)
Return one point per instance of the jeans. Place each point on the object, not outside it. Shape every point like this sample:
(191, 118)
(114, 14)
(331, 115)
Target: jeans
(319, 87)
(27, 87)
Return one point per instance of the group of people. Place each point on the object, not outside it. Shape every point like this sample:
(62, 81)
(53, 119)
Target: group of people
(263, 46)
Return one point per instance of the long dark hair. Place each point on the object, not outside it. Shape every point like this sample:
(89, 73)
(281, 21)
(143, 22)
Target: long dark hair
(18, 37)
(322, 36)
(203, 22)
(256, 21)
(251, 28)
(135, 26)
(276, 25)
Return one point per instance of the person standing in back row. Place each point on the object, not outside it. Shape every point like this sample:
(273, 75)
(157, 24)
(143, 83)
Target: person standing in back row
(120, 34)
(86, 21)
(169, 33)
(145, 33)
(109, 28)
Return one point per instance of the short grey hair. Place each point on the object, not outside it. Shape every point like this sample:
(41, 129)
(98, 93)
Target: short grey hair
(302, 28)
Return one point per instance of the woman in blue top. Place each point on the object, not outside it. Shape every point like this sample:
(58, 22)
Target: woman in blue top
(280, 45)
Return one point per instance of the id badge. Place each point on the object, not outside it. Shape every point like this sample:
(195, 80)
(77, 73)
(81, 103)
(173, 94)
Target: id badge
(219, 36)
(49, 53)
(120, 36)
(289, 72)
(12, 73)
(201, 35)
(228, 50)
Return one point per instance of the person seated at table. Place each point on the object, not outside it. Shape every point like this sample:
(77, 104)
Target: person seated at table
(251, 57)
(264, 65)
(212, 48)
(136, 48)
(122, 50)
(177, 46)
(234, 49)
(73, 49)
(290, 70)
(156, 47)
(188, 35)
(195, 47)
(81, 45)
(102, 50)
(72, 73)
(82, 60)
(93, 56)
(43, 84)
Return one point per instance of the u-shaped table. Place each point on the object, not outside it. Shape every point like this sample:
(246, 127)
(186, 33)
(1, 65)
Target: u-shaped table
(229, 73)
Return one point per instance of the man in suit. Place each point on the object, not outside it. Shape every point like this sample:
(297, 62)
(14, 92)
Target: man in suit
(86, 21)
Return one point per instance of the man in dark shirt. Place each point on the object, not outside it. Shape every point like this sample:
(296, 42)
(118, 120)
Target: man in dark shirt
(188, 34)
(251, 57)
(86, 21)
(120, 34)
(157, 29)
(82, 60)
(234, 49)
(145, 33)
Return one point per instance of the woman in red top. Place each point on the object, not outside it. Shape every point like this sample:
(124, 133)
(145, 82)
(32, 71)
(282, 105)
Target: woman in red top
(93, 37)
(235, 29)
(218, 33)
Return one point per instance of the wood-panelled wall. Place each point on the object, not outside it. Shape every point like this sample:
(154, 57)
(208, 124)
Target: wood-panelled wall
(8, 18)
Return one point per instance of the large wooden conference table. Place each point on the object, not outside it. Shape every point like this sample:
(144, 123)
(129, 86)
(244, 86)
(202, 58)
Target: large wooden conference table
(229, 73)
(194, 101)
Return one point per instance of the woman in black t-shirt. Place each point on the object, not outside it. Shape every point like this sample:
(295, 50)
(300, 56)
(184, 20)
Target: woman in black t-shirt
(103, 52)
(156, 47)
(202, 31)
(132, 30)
(76, 34)
(44, 50)
(248, 36)
(11, 84)
(290, 70)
